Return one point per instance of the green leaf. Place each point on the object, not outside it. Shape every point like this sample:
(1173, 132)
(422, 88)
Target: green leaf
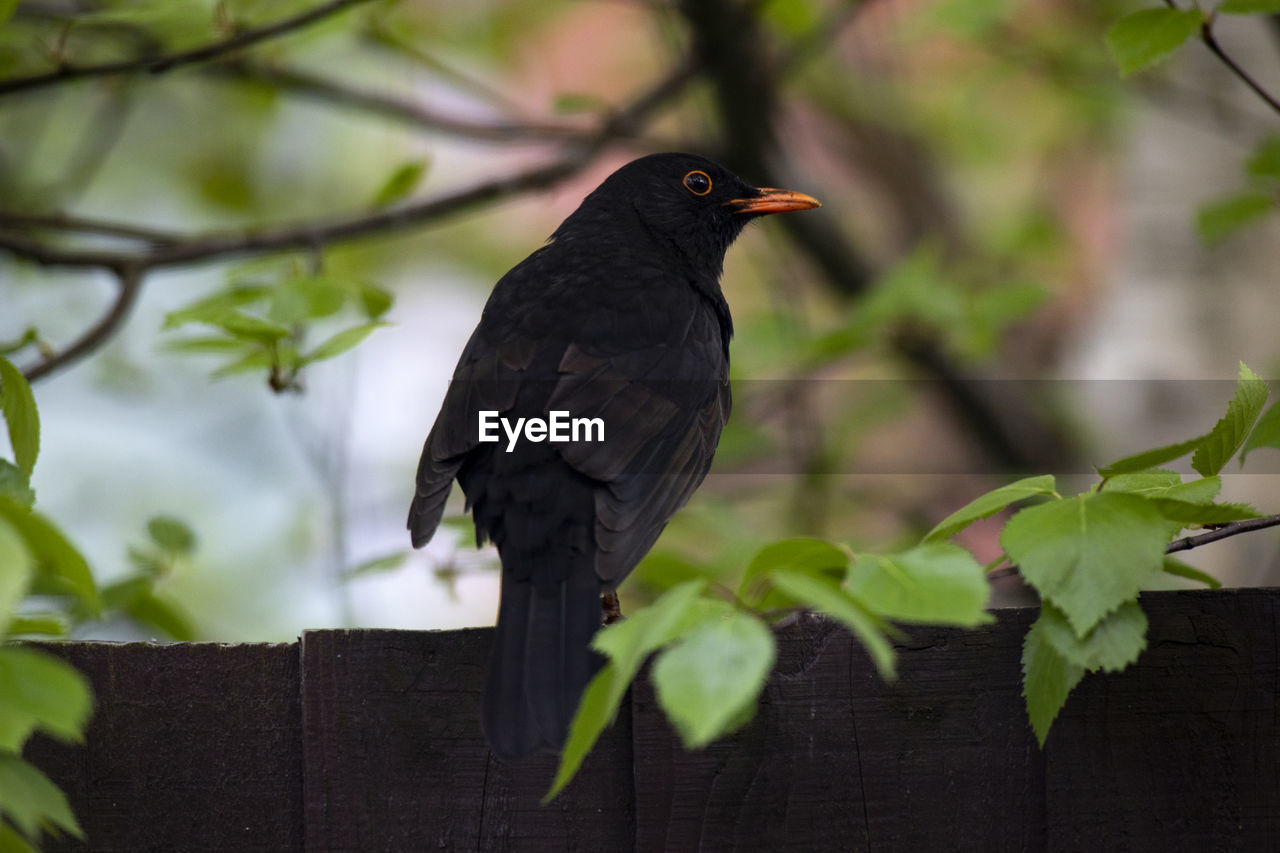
(16, 569)
(708, 682)
(40, 692)
(802, 554)
(1150, 458)
(1087, 554)
(254, 360)
(577, 102)
(627, 644)
(1143, 38)
(1182, 570)
(401, 183)
(60, 568)
(1250, 7)
(20, 414)
(32, 802)
(1230, 432)
(936, 583)
(214, 306)
(204, 345)
(385, 563)
(1220, 219)
(303, 298)
(985, 506)
(1112, 645)
(374, 300)
(40, 624)
(162, 613)
(171, 534)
(6, 10)
(1152, 481)
(12, 842)
(1047, 679)
(662, 570)
(1202, 491)
(1265, 162)
(246, 327)
(341, 342)
(1185, 512)
(826, 597)
(1266, 433)
(15, 485)
(593, 714)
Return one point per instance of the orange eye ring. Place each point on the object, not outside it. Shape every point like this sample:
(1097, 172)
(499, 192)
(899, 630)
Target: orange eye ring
(697, 182)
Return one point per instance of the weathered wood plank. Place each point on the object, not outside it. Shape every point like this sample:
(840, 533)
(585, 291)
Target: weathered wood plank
(193, 747)
(396, 761)
(838, 760)
(1181, 752)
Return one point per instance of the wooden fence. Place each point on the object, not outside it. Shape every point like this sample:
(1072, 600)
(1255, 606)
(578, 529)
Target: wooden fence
(369, 741)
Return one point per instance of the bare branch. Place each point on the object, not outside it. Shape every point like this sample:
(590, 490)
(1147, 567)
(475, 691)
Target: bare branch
(167, 62)
(1211, 42)
(129, 279)
(1235, 528)
(85, 225)
(305, 84)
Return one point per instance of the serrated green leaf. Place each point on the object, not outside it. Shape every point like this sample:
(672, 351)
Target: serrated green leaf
(1152, 481)
(1185, 512)
(1150, 458)
(16, 569)
(32, 802)
(60, 568)
(1087, 554)
(171, 534)
(826, 597)
(401, 183)
(1266, 432)
(1249, 7)
(206, 309)
(341, 342)
(1265, 161)
(1230, 432)
(985, 506)
(1143, 38)
(15, 485)
(163, 613)
(40, 692)
(1220, 219)
(1182, 570)
(21, 415)
(805, 555)
(1047, 680)
(936, 583)
(1201, 491)
(710, 678)
(1112, 645)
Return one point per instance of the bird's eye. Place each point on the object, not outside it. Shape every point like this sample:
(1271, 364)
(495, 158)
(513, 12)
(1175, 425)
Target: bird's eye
(697, 182)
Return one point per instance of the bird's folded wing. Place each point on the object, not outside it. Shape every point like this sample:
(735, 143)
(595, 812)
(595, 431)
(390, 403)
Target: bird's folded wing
(662, 420)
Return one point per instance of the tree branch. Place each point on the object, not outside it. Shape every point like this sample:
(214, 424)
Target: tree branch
(1235, 528)
(167, 62)
(129, 279)
(1211, 42)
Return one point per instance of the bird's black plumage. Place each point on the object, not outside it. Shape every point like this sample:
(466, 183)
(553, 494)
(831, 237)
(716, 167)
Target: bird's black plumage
(619, 316)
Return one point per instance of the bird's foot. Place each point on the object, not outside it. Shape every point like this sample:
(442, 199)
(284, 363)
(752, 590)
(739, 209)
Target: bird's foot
(611, 608)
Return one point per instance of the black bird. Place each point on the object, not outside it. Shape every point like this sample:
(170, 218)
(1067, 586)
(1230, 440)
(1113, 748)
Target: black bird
(618, 317)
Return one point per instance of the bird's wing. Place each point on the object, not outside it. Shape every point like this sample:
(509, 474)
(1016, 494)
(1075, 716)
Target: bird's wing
(487, 378)
(662, 416)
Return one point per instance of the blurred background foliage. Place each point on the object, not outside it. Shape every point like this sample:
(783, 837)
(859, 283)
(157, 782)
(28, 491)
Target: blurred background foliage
(1006, 277)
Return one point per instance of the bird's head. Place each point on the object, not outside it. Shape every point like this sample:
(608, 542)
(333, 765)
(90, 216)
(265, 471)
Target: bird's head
(683, 202)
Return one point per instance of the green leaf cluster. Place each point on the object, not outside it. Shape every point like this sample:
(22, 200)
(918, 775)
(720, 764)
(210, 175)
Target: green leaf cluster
(263, 318)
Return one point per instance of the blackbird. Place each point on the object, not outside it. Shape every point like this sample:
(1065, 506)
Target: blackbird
(618, 317)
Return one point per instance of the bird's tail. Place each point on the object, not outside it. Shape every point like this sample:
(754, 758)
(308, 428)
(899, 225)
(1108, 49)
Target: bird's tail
(541, 661)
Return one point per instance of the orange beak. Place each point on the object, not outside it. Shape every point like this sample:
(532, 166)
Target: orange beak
(774, 201)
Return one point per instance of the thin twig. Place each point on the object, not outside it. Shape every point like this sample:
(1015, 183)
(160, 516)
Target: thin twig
(1235, 528)
(85, 225)
(306, 84)
(167, 62)
(129, 279)
(1206, 36)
